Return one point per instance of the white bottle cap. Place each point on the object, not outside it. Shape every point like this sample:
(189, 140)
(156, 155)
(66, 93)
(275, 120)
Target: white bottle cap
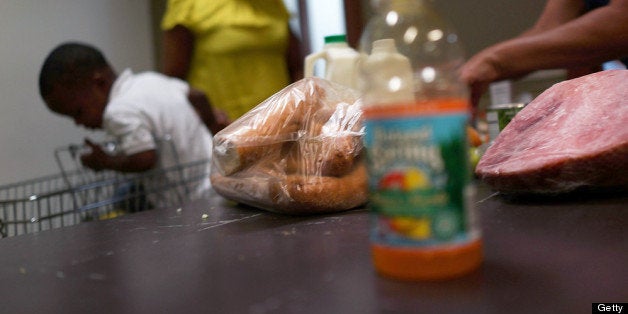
(386, 45)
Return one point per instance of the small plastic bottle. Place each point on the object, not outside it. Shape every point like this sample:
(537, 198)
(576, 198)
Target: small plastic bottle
(420, 184)
(340, 61)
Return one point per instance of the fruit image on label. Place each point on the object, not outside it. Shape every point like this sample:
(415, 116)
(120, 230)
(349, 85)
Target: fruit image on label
(440, 225)
(415, 179)
(392, 181)
(416, 228)
(406, 180)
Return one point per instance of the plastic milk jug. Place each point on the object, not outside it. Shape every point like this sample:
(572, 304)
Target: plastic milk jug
(340, 61)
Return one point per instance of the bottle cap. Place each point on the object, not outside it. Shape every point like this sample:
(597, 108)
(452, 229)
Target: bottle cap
(386, 45)
(335, 39)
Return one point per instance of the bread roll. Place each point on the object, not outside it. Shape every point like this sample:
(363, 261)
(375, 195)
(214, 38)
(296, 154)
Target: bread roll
(297, 152)
(319, 194)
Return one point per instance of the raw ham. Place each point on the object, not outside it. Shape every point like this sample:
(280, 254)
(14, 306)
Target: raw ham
(574, 134)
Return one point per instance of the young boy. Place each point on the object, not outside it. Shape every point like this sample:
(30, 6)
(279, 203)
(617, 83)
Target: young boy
(138, 110)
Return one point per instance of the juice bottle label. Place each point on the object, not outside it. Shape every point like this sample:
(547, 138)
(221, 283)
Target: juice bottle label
(418, 172)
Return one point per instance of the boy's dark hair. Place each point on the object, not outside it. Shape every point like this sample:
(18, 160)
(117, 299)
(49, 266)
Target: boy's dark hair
(69, 63)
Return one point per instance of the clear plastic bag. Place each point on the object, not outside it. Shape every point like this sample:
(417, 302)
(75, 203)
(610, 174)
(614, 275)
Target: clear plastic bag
(299, 152)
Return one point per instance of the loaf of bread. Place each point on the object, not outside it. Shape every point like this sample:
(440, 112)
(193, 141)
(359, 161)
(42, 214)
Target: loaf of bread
(298, 152)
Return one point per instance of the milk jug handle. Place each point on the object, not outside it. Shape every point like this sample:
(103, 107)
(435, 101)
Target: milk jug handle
(309, 62)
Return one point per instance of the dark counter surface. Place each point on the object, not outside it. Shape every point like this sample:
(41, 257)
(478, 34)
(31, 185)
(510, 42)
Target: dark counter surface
(211, 256)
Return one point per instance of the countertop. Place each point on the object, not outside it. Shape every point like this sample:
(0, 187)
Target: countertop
(542, 255)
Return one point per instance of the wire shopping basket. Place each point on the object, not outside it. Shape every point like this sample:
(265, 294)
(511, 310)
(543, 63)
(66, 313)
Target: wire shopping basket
(78, 194)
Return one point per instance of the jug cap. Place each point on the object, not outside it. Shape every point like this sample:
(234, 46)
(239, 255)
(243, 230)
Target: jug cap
(335, 39)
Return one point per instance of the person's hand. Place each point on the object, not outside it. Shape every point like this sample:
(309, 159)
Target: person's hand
(213, 118)
(481, 70)
(96, 159)
(222, 120)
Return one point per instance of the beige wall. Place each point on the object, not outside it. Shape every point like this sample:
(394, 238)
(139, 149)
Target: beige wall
(157, 7)
(483, 22)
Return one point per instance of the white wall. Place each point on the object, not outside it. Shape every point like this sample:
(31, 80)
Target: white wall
(29, 29)
(293, 8)
(325, 17)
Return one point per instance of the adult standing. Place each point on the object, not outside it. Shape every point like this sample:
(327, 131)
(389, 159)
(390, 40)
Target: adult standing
(239, 52)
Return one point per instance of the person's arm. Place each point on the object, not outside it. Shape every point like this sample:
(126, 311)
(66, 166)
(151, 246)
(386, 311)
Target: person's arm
(177, 48)
(98, 160)
(215, 120)
(556, 13)
(295, 57)
(593, 38)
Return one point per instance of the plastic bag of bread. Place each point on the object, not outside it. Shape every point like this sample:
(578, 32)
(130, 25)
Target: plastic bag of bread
(298, 152)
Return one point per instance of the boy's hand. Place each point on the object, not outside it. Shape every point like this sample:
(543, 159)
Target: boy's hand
(213, 118)
(222, 120)
(96, 159)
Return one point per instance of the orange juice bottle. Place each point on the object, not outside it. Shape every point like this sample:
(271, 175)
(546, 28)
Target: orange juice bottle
(416, 112)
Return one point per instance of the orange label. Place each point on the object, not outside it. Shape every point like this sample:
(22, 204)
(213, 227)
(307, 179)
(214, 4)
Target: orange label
(418, 108)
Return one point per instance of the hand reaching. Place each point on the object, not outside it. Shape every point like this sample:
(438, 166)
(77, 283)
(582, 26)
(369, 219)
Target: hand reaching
(96, 159)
